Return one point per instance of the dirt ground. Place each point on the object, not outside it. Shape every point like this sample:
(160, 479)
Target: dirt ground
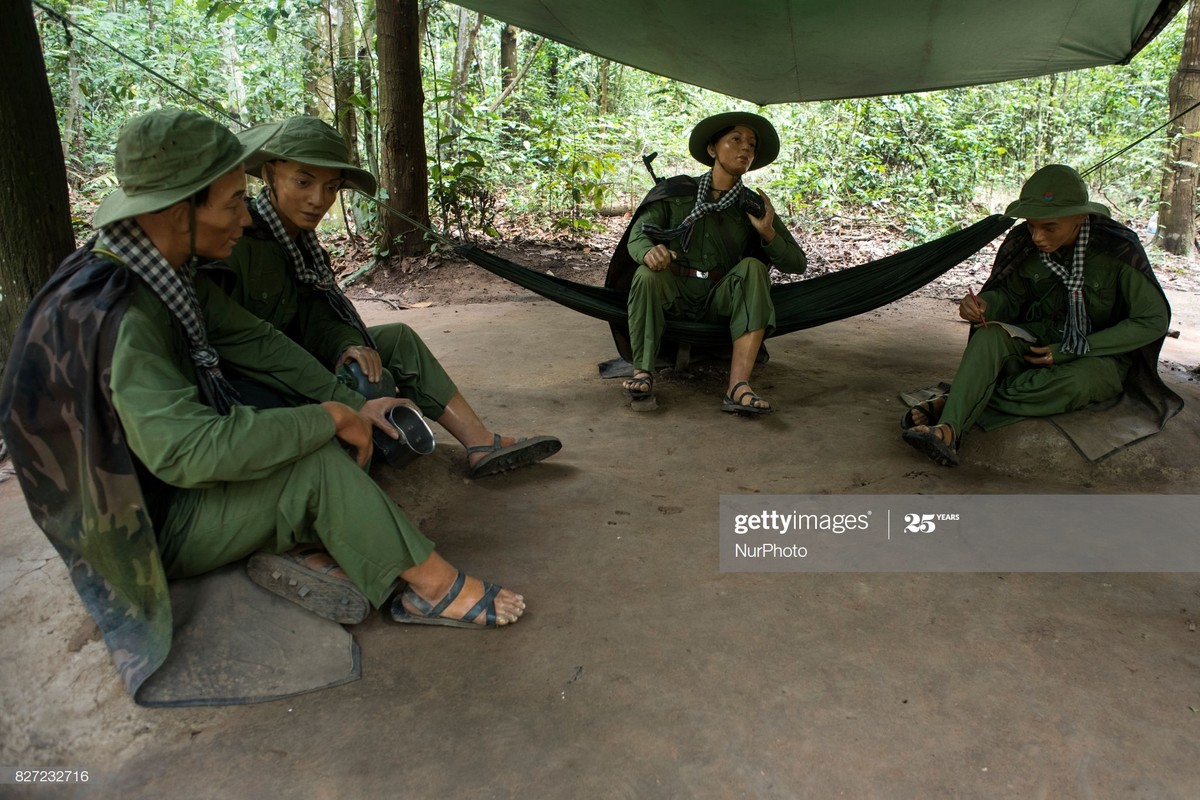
(640, 669)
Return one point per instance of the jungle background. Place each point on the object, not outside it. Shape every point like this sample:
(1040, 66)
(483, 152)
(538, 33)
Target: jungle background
(526, 146)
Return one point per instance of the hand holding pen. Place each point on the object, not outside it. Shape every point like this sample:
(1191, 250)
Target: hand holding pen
(972, 308)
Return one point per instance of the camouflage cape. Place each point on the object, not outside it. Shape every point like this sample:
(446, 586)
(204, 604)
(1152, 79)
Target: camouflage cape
(1143, 383)
(80, 479)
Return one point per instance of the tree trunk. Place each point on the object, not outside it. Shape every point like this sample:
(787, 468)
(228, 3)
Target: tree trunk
(464, 54)
(343, 83)
(36, 234)
(508, 57)
(404, 173)
(368, 120)
(237, 85)
(603, 100)
(366, 87)
(74, 139)
(313, 68)
(1177, 216)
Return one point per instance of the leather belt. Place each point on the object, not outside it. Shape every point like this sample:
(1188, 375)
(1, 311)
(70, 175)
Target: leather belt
(684, 272)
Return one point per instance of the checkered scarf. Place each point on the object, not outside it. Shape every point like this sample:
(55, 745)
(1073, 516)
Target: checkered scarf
(315, 270)
(703, 206)
(1078, 326)
(126, 242)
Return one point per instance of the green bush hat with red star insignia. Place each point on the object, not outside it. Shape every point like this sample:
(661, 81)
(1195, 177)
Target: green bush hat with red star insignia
(1054, 191)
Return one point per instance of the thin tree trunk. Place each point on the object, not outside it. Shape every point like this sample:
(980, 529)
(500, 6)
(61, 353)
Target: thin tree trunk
(36, 234)
(313, 67)
(1177, 215)
(464, 53)
(404, 173)
(233, 69)
(74, 140)
(366, 89)
(508, 57)
(499, 101)
(603, 105)
(343, 85)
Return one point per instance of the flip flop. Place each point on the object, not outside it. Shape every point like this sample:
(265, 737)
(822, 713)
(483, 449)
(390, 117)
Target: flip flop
(930, 444)
(738, 407)
(429, 614)
(927, 408)
(315, 590)
(524, 452)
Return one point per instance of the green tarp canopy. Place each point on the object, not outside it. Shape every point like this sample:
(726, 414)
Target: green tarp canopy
(778, 51)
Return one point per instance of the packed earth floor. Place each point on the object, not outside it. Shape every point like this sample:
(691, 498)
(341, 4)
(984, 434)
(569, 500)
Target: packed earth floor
(642, 670)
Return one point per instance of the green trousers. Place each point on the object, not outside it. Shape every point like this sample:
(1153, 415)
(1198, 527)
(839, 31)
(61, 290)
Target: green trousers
(994, 384)
(323, 497)
(742, 297)
(418, 374)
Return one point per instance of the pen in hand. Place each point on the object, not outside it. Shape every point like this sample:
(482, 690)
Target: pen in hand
(982, 318)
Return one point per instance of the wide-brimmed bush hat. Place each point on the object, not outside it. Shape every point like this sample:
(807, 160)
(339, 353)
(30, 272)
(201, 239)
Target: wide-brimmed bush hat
(166, 156)
(768, 139)
(1054, 191)
(308, 140)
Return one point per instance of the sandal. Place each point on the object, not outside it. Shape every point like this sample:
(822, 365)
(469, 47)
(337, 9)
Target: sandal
(640, 386)
(932, 409)
(430, 614)
(943, 452)
(736, 405)
(522, 453)
(314, 589)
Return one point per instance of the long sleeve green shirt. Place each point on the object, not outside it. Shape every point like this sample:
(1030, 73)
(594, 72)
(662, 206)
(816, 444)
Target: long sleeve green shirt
(707, 250)
(1125, 308)
(183, 441)
(263, 283)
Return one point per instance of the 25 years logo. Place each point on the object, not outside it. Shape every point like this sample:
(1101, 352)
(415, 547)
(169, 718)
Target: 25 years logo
(926, 523)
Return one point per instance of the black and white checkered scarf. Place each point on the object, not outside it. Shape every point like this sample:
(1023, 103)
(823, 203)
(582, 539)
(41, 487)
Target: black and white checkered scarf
(126, 242)
(703, 206)
(1078, 326)
(315, 270)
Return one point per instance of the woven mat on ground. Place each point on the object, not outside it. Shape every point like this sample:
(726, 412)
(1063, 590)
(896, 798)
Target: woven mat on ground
(235, 643)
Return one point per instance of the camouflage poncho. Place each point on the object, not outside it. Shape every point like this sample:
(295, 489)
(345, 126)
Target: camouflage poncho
(80, 479)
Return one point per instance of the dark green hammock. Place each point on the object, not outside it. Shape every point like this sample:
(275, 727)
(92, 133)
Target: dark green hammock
(799, 305)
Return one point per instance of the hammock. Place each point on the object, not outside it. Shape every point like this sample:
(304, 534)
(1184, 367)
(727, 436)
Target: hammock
(799, 305)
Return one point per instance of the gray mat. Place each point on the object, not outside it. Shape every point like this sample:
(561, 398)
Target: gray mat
(1102, 429)
(615, 368)
(1095, 432)
(237, 643)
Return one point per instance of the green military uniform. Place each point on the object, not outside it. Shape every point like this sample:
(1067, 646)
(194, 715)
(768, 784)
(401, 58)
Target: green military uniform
(251, 480)
(260, 277)
(737, 286)
(995, 385)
